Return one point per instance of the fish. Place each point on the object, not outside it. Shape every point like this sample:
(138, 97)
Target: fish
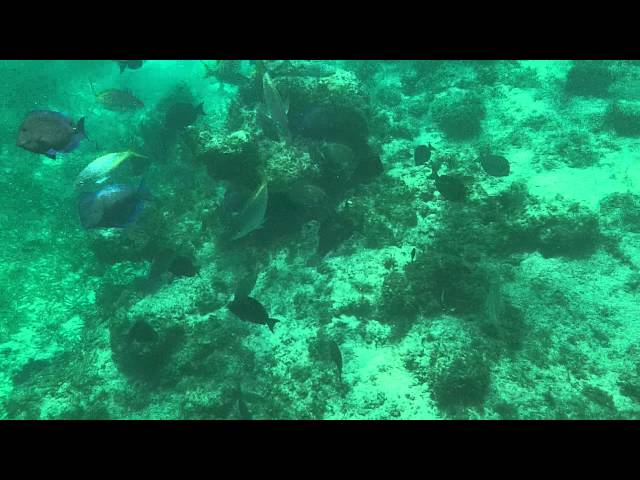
(304, 68)
(113, 206)
(450, 187)
(180, 115)
(210, 70)
(276, 107)
(338, 162)
(369, 165)
(49, 133)
(413, 254)
(312, 201)
(225, 71)
(252, 216)
(336, 357)
(266, 123)
(422, 154)
(249, 309)
(495, 165)
(118, 100)
(142, 332)
(332, 123)
(99, 170)
(131, 64)
(182, 266)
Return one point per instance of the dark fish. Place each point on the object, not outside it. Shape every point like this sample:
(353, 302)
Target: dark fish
(226, 71)
(312, 201)
(249, 309)
(49, 133)
(422, 154)
(142, 332)
(182, 266)
(413, 254)
(369, 165)
(130, 64)
(119, 100)
(114, 206)
(338, 162)
(495, 165)
(182, 114)
(450, 187)
(336, 357)
(333, 231)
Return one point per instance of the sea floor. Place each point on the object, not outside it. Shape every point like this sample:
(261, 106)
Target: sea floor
(576, 354)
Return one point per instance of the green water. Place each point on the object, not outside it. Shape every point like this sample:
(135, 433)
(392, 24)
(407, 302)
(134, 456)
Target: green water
(445, 290)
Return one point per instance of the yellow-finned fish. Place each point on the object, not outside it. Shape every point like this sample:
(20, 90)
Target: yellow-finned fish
(99, 170)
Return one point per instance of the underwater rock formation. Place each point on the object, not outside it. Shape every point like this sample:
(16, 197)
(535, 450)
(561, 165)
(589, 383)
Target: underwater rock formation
(458, 114)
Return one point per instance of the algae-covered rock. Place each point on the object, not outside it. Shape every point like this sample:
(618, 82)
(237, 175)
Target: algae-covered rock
(589, 79)
(233, 157)
(624, 117)
(459, 114)
(462, 383)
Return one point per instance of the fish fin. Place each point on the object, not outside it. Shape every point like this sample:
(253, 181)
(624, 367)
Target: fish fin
(134, 215)
(132, 154)
(102, 179)
(285, 104)
(271, 323)
(80, 128)
(143, 191)
(89, 217)
(51, 153)
(123, 67)
(200, 109)
(239, 235)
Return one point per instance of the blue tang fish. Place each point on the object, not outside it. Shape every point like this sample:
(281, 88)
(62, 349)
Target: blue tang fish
(49, 133)
(113, 206)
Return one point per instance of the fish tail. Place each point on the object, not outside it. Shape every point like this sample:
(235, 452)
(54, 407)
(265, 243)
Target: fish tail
(131, 153)
(133, 217)
(123, 67)
(200, 109)
(93, 90)
(271, 322)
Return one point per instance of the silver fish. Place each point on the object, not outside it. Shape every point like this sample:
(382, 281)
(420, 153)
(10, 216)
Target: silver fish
(276, 107)
(253, 214)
